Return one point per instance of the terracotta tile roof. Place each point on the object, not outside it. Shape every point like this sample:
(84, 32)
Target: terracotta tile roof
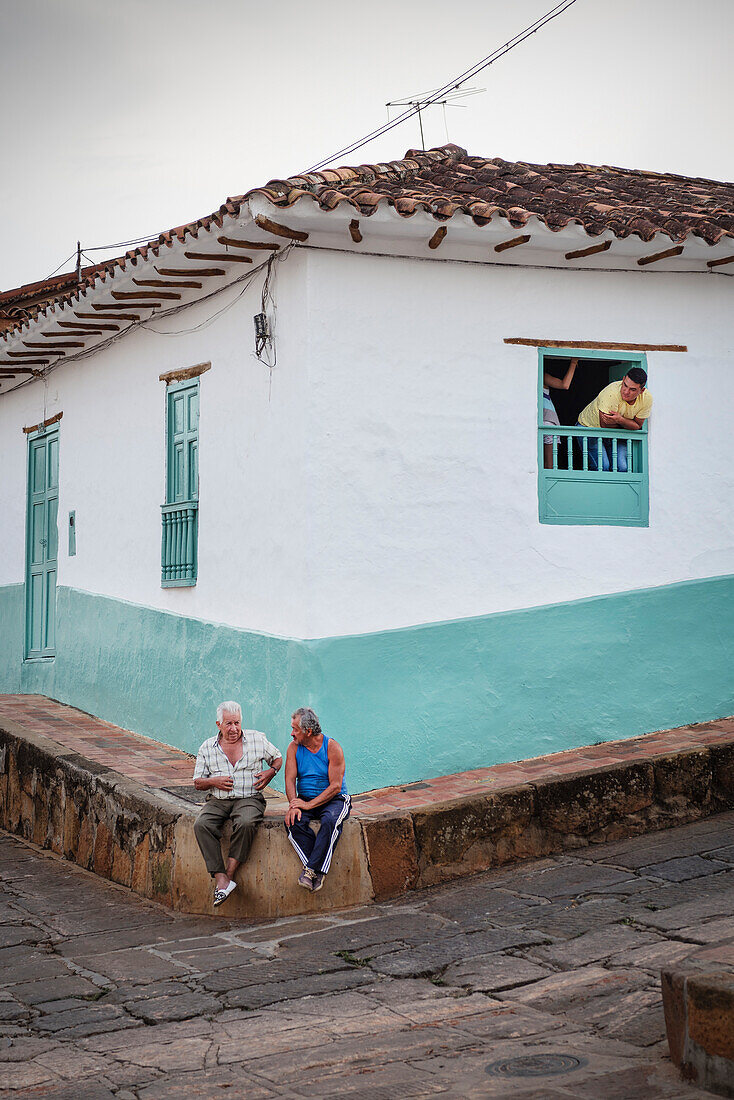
(31, 298)
(17, 304)
(447, 180)
(443, 182)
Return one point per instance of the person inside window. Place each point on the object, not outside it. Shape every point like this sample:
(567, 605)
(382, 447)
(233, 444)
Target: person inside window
(626, 404)
(550, 416)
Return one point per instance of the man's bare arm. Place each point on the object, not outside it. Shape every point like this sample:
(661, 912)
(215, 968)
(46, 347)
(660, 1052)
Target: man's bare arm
(564, 383)
(293, 813)
(263, 778)
(290, 772)
(221, 782)
(616, 420)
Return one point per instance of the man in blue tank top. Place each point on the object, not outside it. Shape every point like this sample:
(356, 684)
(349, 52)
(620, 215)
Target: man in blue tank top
(316, 790)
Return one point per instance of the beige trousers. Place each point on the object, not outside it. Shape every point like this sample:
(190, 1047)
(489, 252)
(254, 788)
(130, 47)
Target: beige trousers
(246, 814)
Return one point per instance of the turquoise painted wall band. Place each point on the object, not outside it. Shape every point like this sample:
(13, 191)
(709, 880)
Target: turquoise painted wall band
(405, 704)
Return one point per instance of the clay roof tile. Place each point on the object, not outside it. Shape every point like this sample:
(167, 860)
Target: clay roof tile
(447, 181)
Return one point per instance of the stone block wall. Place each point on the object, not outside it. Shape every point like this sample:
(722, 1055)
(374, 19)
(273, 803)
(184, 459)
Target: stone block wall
(144, 839)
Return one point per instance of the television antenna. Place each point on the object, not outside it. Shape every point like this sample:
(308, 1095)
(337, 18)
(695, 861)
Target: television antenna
(422, 100)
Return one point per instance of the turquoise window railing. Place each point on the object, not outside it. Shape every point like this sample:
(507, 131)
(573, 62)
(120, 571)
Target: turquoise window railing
(178, 550)
(577, 489)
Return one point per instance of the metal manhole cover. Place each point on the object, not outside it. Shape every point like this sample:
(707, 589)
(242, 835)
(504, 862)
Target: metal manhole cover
(535, 1065)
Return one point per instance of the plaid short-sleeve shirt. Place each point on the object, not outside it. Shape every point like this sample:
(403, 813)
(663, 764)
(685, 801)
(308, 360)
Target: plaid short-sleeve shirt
(210, 760)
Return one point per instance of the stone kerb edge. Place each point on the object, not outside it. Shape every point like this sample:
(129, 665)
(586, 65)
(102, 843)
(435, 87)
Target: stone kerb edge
(114, 826)
(425, 846)
(85, 812)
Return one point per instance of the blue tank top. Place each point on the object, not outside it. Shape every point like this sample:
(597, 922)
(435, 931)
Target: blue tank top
(313, 771)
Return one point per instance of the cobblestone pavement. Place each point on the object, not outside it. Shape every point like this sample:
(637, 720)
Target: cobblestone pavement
(548, 968)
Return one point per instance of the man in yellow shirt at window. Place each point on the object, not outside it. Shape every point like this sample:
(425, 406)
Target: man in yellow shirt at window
(626, 404)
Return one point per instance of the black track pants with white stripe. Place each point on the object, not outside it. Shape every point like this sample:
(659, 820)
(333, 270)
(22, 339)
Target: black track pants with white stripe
(316, 851)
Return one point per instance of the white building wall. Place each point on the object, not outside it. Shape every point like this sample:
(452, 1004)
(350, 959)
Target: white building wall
(387, 474)
(112, 463)
(424, 466)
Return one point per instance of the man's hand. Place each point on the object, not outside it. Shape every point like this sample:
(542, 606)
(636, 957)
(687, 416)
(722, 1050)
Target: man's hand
(294, 811)
(222, 782)
(292, 815)
(263, 778)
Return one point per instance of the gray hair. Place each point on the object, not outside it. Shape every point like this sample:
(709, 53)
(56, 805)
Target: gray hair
(229, 708)
(307, 720)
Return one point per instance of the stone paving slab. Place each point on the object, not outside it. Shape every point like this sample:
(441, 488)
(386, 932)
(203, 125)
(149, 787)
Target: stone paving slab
(315, 999)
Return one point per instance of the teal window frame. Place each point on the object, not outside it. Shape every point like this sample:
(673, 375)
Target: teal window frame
(594, 497)
(180, 513)
(47, 568)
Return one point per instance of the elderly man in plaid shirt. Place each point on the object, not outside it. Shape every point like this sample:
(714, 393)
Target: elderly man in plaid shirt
(228, 768)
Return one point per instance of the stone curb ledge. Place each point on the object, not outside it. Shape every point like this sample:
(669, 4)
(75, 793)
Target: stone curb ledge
(144, 839)
(432, 844)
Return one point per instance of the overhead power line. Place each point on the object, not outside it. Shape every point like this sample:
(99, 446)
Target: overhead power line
(451, 85)
(123, 244)
(63, 262)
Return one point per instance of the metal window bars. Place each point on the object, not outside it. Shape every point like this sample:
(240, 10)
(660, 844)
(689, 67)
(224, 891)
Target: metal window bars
(178, 543)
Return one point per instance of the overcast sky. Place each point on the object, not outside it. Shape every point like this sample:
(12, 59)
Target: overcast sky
(123, 118)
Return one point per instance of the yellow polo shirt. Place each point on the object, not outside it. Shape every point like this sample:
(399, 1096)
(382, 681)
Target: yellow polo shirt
(610, 400)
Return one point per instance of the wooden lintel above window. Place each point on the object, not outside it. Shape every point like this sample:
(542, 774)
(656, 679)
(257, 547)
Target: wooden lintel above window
(279, 230)
(512, 243)
(44, 424)
(592, 345)
(184, 373)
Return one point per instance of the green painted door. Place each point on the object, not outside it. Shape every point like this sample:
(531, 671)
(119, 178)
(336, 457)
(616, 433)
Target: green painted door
(42, 542)
(183, 443)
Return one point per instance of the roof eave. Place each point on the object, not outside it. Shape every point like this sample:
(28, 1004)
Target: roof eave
(387, 231)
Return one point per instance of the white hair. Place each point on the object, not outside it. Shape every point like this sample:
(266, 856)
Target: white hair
(229, 708)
